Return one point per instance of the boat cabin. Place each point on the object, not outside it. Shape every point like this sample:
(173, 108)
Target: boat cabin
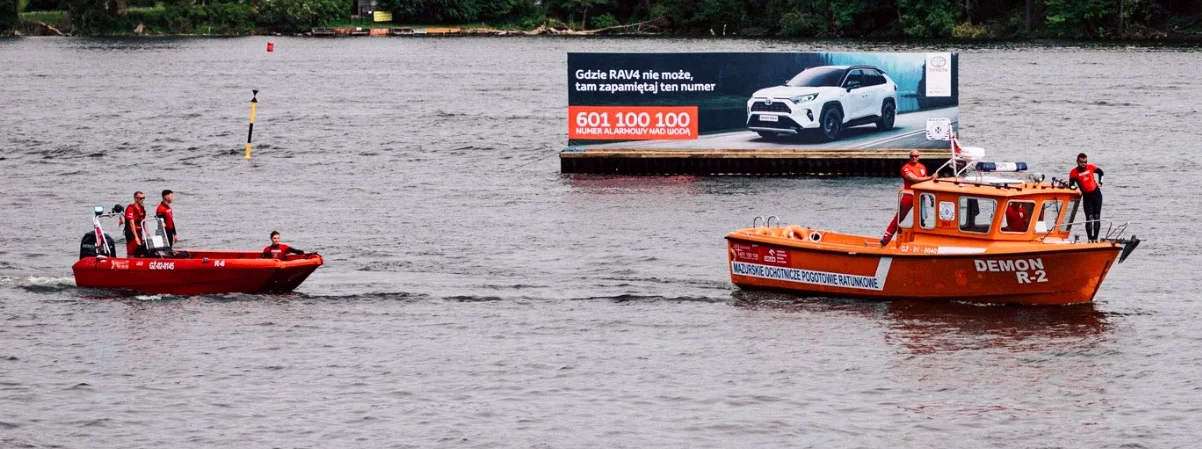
(986, 209)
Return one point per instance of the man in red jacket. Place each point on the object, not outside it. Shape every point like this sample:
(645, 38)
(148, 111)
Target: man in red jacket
(134, 214)
(164, 211)
(912, 172)
(1091, 194)
(277, 250)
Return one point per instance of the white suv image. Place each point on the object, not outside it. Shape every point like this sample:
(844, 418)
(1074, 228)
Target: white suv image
(827, 99)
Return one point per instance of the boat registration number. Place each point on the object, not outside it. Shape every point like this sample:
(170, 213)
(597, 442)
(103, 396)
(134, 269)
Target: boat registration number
(769, 118)
(156, 265)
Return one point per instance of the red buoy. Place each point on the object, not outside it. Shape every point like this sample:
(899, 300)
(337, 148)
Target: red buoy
(270, 47)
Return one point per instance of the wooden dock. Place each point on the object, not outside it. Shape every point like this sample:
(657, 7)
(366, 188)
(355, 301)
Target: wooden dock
(762, 162)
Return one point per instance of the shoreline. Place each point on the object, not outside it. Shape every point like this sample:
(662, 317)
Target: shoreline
(1189, 41)
(35, 28)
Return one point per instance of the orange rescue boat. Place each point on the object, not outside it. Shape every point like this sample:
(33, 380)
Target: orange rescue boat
(974, 237)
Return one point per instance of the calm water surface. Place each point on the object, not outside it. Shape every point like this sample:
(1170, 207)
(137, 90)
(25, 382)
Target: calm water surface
(474, 297)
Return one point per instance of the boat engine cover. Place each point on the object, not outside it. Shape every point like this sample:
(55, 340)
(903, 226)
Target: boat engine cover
(87, 246)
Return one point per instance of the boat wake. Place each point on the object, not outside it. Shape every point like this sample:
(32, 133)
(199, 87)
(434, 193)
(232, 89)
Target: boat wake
(39, 284)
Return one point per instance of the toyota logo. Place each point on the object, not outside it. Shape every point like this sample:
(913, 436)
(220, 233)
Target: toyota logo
(939, 61)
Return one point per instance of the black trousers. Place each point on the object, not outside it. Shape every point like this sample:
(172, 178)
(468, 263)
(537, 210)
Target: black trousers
(1092, 202)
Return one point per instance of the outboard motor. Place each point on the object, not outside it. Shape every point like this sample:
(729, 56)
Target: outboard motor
(87, 246)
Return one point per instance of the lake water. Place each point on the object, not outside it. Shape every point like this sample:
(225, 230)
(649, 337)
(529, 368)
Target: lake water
(475, 297)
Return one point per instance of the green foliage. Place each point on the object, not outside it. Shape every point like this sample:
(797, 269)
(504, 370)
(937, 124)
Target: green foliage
(927, 18)
(1089, 19)
(95, 16)
(10, 15)
(43, 5)
(604, 21)
(823, 18)
(1080, 18)
(299, 15)
(215, 18)
(704, 16)
(455, 11)
(581, 7)
(969, 31)
(802, 24)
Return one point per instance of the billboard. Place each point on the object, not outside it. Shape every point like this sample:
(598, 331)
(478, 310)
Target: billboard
(735, 101)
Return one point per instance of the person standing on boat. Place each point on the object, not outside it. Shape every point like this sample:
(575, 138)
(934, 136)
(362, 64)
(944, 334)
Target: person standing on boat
(912, 172)
(1082, 176)
(134, 214)
(277, 250)
(164, 211)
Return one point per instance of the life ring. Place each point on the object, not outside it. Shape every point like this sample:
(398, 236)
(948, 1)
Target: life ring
(796, 232)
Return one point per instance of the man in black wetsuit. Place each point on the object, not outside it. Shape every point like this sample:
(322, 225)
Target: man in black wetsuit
(1091, 193)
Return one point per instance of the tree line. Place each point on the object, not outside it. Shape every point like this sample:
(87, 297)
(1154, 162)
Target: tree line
(962, 19)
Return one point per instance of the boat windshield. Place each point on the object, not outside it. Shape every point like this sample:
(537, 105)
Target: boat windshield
(817, 77)
(926, 218)
(154, 233)
(1069, 216)
(1048, 215)
(1017, 217)
(976, 214)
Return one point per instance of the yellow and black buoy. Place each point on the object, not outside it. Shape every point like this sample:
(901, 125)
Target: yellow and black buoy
(254, 101)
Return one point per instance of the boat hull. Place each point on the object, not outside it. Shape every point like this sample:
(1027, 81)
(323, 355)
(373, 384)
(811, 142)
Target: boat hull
(203, 272)
(1069, 274)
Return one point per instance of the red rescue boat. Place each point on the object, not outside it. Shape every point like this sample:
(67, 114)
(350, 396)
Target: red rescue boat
(174, 272)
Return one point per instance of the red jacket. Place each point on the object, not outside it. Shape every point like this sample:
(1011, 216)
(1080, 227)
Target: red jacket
(134, 214)
(167, 215)
(913, 168)
(1084, 177)
(279, 251)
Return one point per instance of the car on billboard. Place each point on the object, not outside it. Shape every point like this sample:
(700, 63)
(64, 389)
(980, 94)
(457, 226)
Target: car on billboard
(827, 99)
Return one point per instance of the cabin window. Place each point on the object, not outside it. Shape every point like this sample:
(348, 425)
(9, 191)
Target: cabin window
(926, 210)
(905, 201)
(1048, 215)
(1070, 215)
(1017, 216)
(976, 214)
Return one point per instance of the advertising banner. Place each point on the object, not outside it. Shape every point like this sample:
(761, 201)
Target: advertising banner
(731, 101)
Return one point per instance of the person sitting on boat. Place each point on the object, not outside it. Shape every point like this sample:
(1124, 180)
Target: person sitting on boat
(1016, 218)
(277, 250)
(1091, 193)
(134, 214)
(164, 211)
(912, 172)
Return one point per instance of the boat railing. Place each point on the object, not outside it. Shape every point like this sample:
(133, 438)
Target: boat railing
(1113, 231)
(102, 246)
(767, 221)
